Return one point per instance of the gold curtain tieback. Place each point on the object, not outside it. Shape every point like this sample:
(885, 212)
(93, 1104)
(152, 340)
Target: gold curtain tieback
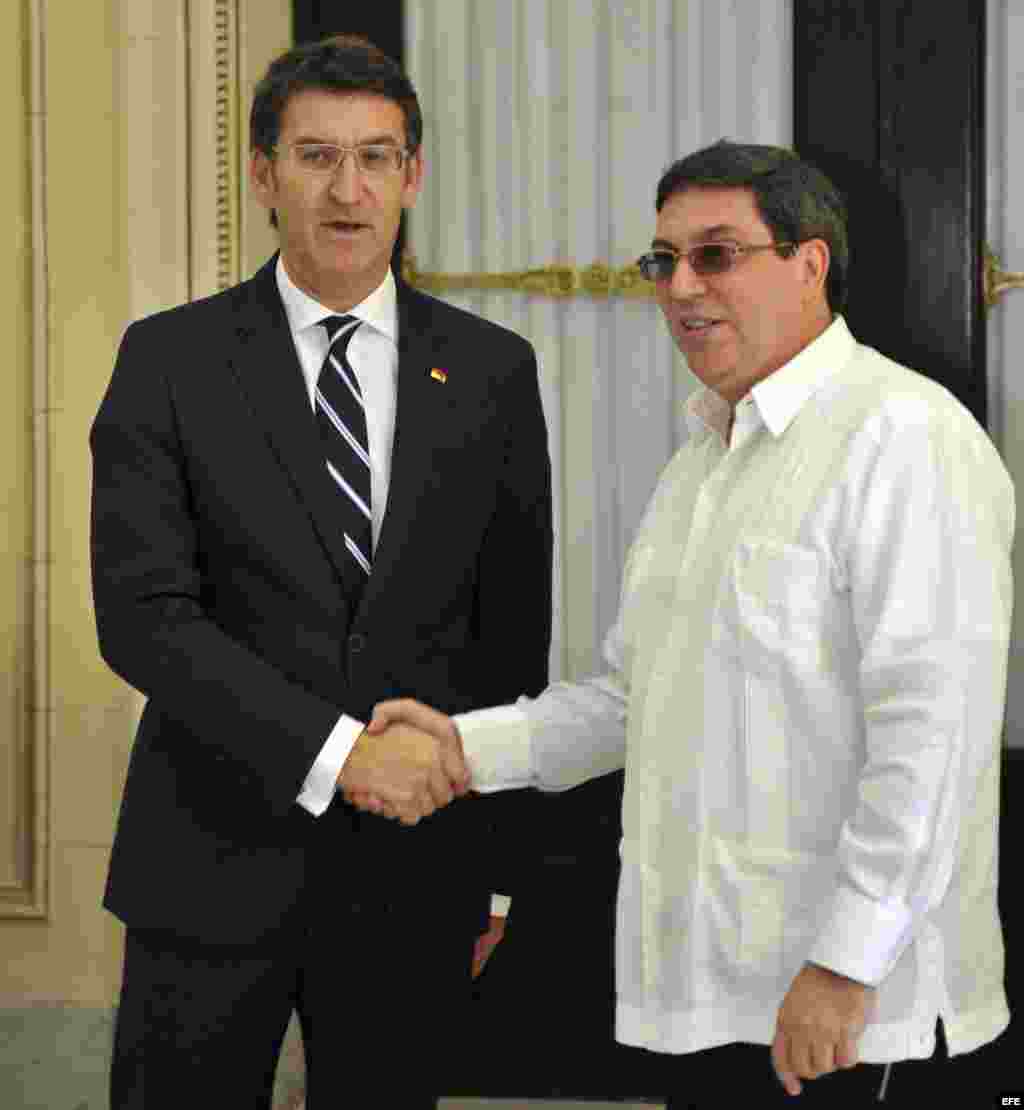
(557, 280)
(997, 281)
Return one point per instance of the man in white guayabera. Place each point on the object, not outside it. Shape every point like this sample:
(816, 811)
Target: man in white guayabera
(805, 682)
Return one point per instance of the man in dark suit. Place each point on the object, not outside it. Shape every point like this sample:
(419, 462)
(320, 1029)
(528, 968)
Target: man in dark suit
(315, 491)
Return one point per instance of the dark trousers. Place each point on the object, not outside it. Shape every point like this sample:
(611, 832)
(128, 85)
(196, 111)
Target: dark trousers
(742, 1074)
(377, 993)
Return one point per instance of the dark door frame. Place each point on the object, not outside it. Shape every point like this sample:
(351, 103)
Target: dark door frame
(889, 101)
(381, 22)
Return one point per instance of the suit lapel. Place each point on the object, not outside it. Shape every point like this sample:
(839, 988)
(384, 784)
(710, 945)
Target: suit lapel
(423, 416)
(267, 368)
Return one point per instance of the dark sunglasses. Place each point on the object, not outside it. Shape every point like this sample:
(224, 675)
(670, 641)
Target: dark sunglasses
(704, 258)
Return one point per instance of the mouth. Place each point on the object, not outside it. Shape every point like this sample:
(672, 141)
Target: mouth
(698, 326)
(345, 228)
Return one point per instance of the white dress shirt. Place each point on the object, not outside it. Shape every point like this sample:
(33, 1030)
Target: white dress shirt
(373, 355)
(806, 688)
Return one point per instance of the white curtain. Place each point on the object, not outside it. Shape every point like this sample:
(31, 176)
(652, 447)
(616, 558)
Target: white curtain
(547, 126)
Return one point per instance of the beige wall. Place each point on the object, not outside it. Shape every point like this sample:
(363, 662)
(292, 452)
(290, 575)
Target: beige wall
(72, 954)
(104, 76)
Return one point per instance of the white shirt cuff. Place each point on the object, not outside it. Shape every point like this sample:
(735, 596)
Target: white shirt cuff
(318, 789)
(862, 938)
(496, 744)
(500, 905)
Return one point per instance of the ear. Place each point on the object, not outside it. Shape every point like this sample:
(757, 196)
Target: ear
(815, 259)
(262, 179)
(415, 169)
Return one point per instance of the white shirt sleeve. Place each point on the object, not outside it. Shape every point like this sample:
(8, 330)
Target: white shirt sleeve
(931, 590)
(318, 789)
(571, 733)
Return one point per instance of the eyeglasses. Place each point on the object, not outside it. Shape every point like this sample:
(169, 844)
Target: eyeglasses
(324, 159)
(705, 258)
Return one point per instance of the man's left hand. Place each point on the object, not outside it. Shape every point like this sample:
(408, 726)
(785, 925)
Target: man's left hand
(819, 1026)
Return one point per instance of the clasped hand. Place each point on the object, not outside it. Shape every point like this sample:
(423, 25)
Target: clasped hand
(407, 763)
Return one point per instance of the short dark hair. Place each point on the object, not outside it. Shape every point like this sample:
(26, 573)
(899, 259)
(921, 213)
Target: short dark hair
(795, 199)
(339, 63)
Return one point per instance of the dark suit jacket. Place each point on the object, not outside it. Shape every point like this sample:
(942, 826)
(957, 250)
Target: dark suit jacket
(222, 587)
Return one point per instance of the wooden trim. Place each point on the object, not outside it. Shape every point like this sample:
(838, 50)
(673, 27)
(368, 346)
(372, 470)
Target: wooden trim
(214, 146)
(28, 896)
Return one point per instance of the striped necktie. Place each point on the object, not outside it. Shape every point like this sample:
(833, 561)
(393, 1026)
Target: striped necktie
(341, 417)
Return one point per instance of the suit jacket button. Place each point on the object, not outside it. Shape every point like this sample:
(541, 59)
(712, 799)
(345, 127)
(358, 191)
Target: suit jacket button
(356, 643)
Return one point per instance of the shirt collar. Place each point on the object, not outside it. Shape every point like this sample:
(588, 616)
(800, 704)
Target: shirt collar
(379, 310)
(781, 395)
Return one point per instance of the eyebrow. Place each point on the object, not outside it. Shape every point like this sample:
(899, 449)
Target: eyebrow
(374, 140)
(719, 231)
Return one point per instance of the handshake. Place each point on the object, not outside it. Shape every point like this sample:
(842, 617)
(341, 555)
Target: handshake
(406, 763)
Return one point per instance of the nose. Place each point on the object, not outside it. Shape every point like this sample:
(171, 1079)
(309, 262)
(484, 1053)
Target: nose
(685, 282)
(346, 184)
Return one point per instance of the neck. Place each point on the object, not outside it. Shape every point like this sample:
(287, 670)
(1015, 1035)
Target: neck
(340, 293)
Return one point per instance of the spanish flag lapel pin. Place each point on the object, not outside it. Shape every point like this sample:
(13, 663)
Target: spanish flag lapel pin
(439, 375)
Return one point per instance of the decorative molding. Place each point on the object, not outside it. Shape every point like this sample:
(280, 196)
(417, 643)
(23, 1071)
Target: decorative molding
(215, 145)
(29, 894)
(264, 33)
(226, 70)
(556, 280)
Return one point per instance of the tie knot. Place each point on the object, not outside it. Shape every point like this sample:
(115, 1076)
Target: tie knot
(340, 327)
